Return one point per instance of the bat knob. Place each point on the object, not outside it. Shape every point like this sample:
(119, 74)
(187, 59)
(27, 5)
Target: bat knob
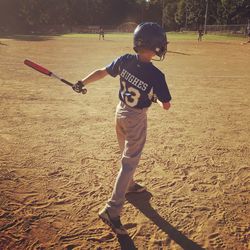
(84, 91)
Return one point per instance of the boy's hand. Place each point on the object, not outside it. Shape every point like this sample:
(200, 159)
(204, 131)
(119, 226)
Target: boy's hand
(154, 99)
(78, 87)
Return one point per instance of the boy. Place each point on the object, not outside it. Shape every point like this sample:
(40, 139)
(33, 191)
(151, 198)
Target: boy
(200, 34)
(140, 84)
(101, 33)
(248, 33)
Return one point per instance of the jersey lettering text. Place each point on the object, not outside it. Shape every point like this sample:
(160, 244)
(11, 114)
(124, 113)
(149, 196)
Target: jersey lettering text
(133, 80)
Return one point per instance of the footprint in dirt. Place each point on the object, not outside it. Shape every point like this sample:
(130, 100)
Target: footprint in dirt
(215, 241)
(242, 233)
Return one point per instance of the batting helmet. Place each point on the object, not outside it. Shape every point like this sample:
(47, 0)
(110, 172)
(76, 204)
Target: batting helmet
(151, 36)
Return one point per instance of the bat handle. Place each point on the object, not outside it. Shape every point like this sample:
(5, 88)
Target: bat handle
(65, 81)
(84, 91)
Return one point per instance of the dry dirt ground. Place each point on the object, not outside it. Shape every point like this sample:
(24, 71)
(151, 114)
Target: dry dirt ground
(59, 156)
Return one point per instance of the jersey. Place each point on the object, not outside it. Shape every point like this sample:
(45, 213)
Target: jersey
(101, 32)
(139, 81)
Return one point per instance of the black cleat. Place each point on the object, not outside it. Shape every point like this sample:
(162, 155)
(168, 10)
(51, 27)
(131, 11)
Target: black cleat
(136, 188)
(115, 224)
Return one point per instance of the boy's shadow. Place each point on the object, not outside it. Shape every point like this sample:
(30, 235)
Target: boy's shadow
(126, 242)
(142, 202)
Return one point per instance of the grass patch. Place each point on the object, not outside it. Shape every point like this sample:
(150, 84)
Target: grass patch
(193, 36)
(85, 35)
(174, 36)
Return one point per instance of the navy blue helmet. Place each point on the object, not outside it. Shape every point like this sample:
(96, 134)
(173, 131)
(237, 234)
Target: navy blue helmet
(151, 36)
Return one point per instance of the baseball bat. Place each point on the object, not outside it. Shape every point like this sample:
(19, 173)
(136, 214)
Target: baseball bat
(45, 71)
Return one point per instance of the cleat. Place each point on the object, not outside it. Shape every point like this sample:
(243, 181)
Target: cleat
(136, 188)
(115, 223)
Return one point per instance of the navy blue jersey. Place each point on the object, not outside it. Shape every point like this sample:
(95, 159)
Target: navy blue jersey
(139, 81)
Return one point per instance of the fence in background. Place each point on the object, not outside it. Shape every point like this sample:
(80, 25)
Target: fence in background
(228, 29)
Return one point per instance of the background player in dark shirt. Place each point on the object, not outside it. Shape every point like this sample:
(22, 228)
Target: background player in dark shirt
(200, 35)
(248, 33)
(101, 33)
(140, 84)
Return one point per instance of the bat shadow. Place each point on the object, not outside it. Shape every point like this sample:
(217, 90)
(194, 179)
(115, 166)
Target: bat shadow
(179, 53)
(31, 38)
(142, 202)
(4, 44)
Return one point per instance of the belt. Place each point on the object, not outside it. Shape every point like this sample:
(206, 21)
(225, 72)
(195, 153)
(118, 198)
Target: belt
(123, 104)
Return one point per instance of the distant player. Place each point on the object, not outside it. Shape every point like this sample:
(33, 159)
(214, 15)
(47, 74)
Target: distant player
(101, 33)
(140, 84)
(200, 35)
(248, 33)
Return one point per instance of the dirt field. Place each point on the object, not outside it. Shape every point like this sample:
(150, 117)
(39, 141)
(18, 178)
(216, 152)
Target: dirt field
(59, 156)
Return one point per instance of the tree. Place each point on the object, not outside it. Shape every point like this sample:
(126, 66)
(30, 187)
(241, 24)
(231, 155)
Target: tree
(235, 11)
(181, 13)
(18, 15)
(168, 15)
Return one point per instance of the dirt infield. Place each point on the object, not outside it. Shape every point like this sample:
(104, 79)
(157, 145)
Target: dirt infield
(59, 156)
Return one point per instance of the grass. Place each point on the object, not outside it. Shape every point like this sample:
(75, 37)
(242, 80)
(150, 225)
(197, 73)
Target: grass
(193, 35)
(172, 36)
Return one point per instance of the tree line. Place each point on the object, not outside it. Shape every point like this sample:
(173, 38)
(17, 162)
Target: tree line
(26, 15)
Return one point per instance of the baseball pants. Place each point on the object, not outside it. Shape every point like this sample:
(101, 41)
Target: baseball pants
(131, 130)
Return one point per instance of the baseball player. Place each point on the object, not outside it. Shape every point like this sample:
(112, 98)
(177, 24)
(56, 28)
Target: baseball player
(101, 33)
(140, 84)
(248, 33)
(200, 35)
